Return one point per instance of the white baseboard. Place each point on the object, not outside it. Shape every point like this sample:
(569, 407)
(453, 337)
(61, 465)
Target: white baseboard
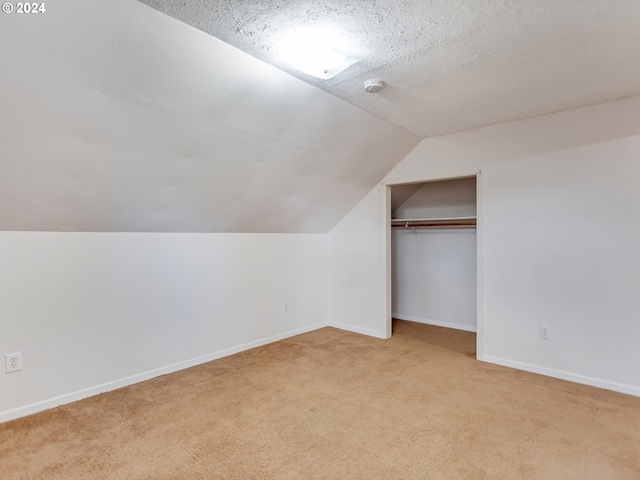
(572, 377)
(351, 328)
(456, 326)
(141, 377)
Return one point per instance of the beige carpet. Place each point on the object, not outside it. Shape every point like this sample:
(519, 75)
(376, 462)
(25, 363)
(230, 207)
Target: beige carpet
(336, 405)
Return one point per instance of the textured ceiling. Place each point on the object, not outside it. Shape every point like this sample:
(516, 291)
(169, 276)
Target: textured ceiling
(448, 66)
(116, 117)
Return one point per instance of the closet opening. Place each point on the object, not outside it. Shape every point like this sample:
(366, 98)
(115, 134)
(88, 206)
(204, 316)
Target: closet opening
(433, 255)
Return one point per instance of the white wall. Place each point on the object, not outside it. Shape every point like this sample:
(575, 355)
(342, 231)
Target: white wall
(560, 239)
(94, 311)
(561, 249)
(434, 269)
(356, 271)
(434, 277)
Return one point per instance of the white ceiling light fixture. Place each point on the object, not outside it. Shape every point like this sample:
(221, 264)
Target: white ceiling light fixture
(316, 52)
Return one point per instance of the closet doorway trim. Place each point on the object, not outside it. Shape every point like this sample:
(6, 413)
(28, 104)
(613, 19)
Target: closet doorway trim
(386, 241)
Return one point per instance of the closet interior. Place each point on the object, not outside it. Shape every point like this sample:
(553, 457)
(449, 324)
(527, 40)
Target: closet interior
(433, 253)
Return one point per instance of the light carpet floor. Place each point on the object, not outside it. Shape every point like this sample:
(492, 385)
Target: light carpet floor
(336, 405)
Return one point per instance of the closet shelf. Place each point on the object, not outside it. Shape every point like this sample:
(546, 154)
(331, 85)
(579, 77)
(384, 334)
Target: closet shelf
(449, 222)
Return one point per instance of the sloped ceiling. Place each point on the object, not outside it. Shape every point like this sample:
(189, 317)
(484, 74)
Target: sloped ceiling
(448, 65)
(449, 198)
(116, 117)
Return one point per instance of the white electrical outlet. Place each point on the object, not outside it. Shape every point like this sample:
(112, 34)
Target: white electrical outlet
(285, 307)
(13, 362)
(545, 332)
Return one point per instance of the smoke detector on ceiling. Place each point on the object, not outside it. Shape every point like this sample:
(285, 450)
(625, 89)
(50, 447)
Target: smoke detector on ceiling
(373, 86)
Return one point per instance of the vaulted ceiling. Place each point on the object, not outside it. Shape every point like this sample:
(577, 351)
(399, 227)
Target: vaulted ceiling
(448, 65)
(117, 117)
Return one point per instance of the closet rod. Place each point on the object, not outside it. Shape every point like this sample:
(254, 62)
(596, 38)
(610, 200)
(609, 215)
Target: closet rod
(439, 225)
(453, 222)
(433, 220)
